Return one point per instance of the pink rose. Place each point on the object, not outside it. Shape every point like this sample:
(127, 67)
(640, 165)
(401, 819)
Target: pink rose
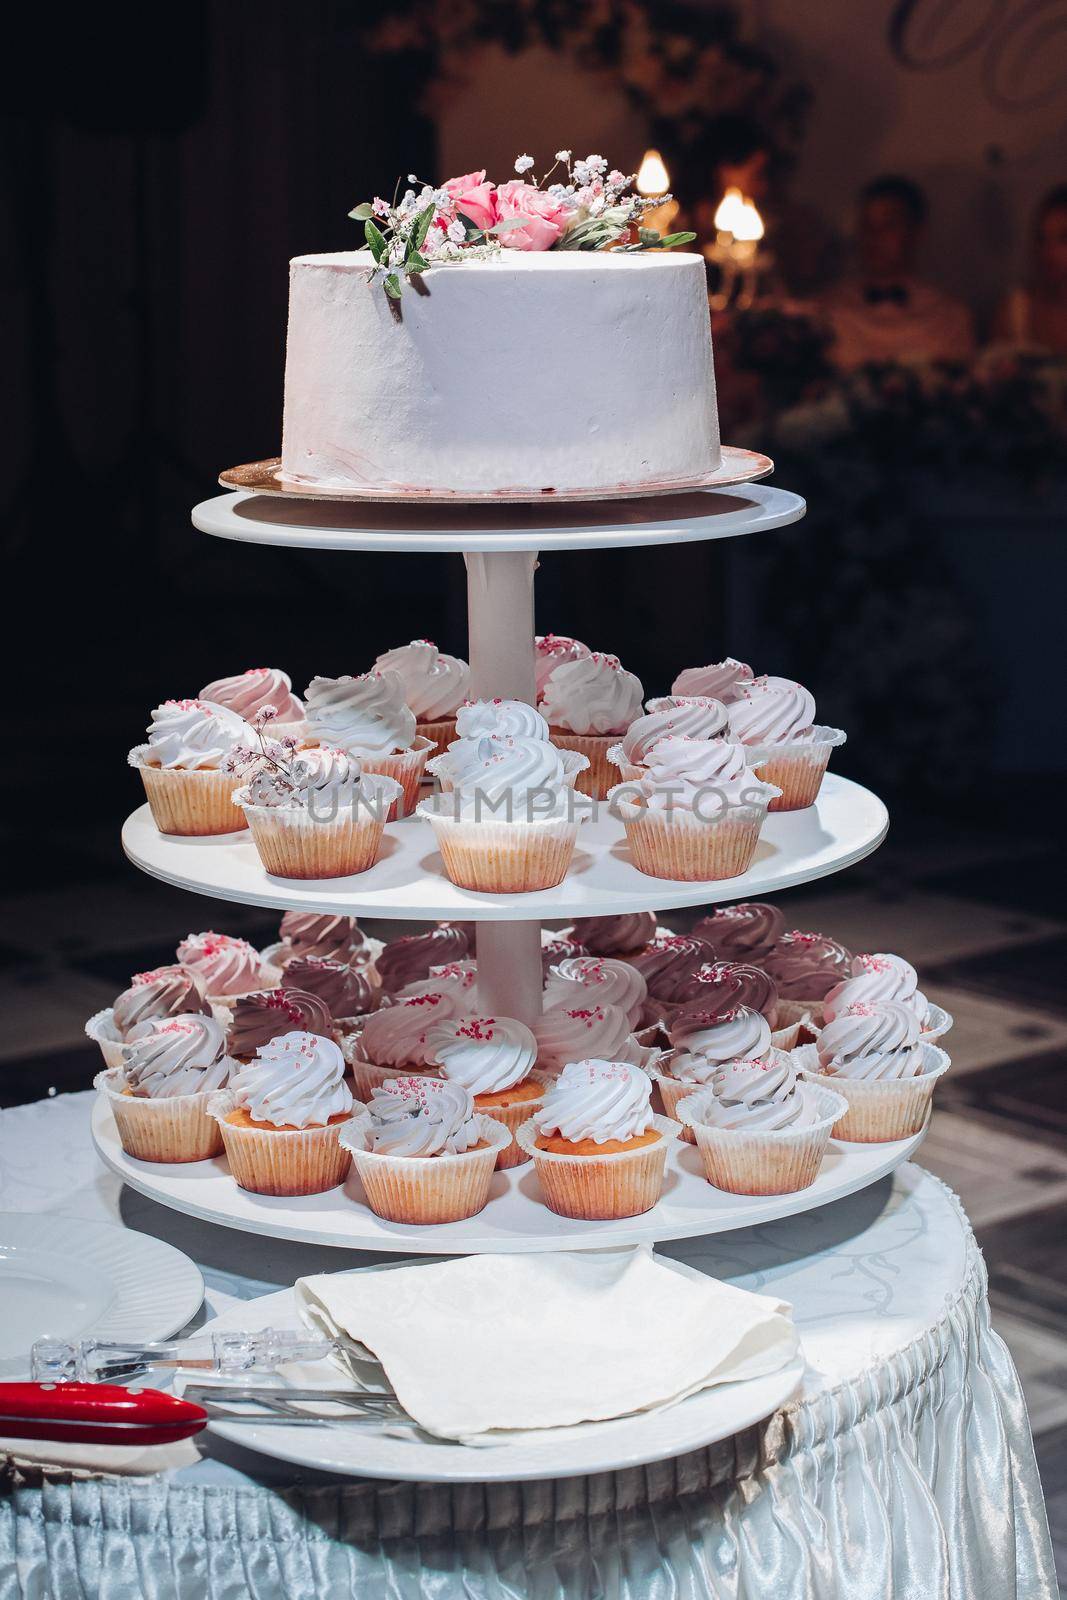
(543, 217)
(474, 197)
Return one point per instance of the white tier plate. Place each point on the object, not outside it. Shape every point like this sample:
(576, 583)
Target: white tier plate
(846, 823)
(418, 527)
(370, 1451)
(515, 1218)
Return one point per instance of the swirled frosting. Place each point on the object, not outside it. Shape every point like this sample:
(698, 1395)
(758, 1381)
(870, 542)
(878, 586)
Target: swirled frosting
(296, 1080)
(555, 950)
(667, 964)
(395, 1036)
(806, 966)
(760, 1096)
(872, 1041)
(457, 978)
(171, 1056)
(194, 734)
(258, 689)
(526, 773)
(410, 957)
(721, 681)
(723, 985)
(551, 650)
(272, 1012)
(367, 715)
(321, 781)
(745, 932)
(434, 684)
(319, 933)
(220, 963)
(598, 978)
(875, 978)
(620, 935)
(344, 991)
(688, 719)
(484, 1054)
(597, 1099)
(704, 776)
(770, 711)
(164, 992)
(592, 695)
(703, 1044)
(504, 718)
(570, 1032)
(422, 1117)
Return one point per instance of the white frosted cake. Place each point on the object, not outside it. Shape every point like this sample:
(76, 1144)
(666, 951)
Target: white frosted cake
(542, 371)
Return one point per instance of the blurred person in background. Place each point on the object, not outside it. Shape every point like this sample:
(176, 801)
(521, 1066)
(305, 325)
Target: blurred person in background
(1034, 315)
(885, 312)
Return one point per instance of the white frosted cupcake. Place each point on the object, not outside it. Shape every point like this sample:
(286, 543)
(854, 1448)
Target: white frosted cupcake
(758, 1129)
(774, 718)
(159, 1095)
(368, 717)
(316, 814)
(685, 719)
(700, 1046)
(598, 1150)
(584, 1029)
(463, 763)
(873, 1056)
(225, 967)
(184, 767)
(551, 650)
(879, 977)
(588, 704)
(696, 813)
(422, 1152)
(392, 1042)
(722, 681)
(604, 980)
(494, 1059)
(261, 694)
(280, 1117)
(435, 686)
(151, 997)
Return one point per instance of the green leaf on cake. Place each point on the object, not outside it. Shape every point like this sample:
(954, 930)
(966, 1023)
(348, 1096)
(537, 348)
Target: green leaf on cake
(375, 240)
(416, 262)
(669, 240)
(422, 227)
(393, 286)
(362, 212)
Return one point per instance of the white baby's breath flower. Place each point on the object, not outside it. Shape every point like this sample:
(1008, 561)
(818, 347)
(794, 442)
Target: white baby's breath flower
(457, 232)
(442, 199)
(412, 178)
(523, 163)
(563, 155)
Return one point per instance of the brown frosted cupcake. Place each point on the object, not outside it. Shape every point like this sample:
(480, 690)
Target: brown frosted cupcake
(347, 992)
(494, 1059)
(744, 933)
(624, 935)
(185, 767)
(805, 967)
(255, 1019)
(435, 686)
(159, 1095)
(589, 704)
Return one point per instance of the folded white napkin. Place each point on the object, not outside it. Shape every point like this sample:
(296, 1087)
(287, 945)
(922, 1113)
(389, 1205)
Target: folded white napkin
(503, 1342)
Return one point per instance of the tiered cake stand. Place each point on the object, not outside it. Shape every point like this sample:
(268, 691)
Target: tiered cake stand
(500, 544)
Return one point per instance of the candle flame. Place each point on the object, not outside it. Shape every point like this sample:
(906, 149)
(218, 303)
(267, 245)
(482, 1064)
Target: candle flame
(652, 178)
(747, 224)
(730, 207)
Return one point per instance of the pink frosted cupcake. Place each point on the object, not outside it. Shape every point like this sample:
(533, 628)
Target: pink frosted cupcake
(805, 967)
(185, 770)
(368, 717)
(551, 650)
(774, 718)
(435, 686)
(758, 1129)
(281, 1115)
(261, 693)
(700, 1046)
(151, 997)
(494, 1059)
(316, 814)
(686, 719)
(722, 681)
(597, 1148)
(589, 704)
(422, 1152)
(583, 1029)
(881, 977)
(696, 814)
(872, 1055)
(159, 1095)
(392, 1042)
(225, 967)
(745, 932)
(576, 980)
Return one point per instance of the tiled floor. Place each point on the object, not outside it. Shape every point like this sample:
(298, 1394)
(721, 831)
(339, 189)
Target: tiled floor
(985, 922)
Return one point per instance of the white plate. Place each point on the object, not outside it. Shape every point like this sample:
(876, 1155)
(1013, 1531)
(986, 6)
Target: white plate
(515, 1218)
(64, 1278)
(561, 1453)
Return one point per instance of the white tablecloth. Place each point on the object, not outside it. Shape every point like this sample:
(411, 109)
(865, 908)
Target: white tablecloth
(904, 1472)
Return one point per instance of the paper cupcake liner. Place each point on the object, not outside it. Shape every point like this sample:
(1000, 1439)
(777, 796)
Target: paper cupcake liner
(938, 1023)
(672, 1092)
(512, 1118)
(601, 1188)
(367, 1076)
(762, 1161)
(796, 766)
(799, 1011)
(269, 1161)
(688, 850)
(102, 1031)
(440, 732)
(222, 1003)
(422, 1190)
(785, 1038)
(600, 775)
(192, 803)
(291, 844)
(878, 1110)
(178, 1128)
(503, 857)
(407, 767)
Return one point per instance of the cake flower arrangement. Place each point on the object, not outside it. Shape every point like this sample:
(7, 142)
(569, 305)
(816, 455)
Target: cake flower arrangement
(467, 218)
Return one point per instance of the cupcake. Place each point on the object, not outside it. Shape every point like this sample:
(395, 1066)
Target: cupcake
(723, 681)
(667, 963)
(805, 967)
(458, 979)
(721, 986)
(758, 1129)
(414, 954)
(506, 719)
(151, 997)
(463, 764)
(422, 1152)
(625, 935)
(774, 718)
(325, 936)
(184, 767)
(577, 979)
(881, 977)
(874, 1057)
(688, 719)
(171, 1067)
(579, 1029)
(391, 1043)
(554, 949)
(700, 1046)
(697, 812)
(598, 1150)
(225, 967)
(510, 827)
(588, 704)
(551, 650)
(317, 814)
(493, 1058)
(281, 1114)
(258, 1018)
(368, 717)
(261, 692)
(346, 992)
(435, 685)
(745, 932)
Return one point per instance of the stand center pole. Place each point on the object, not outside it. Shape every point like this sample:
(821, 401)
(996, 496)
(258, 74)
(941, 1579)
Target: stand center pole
(500, 623)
